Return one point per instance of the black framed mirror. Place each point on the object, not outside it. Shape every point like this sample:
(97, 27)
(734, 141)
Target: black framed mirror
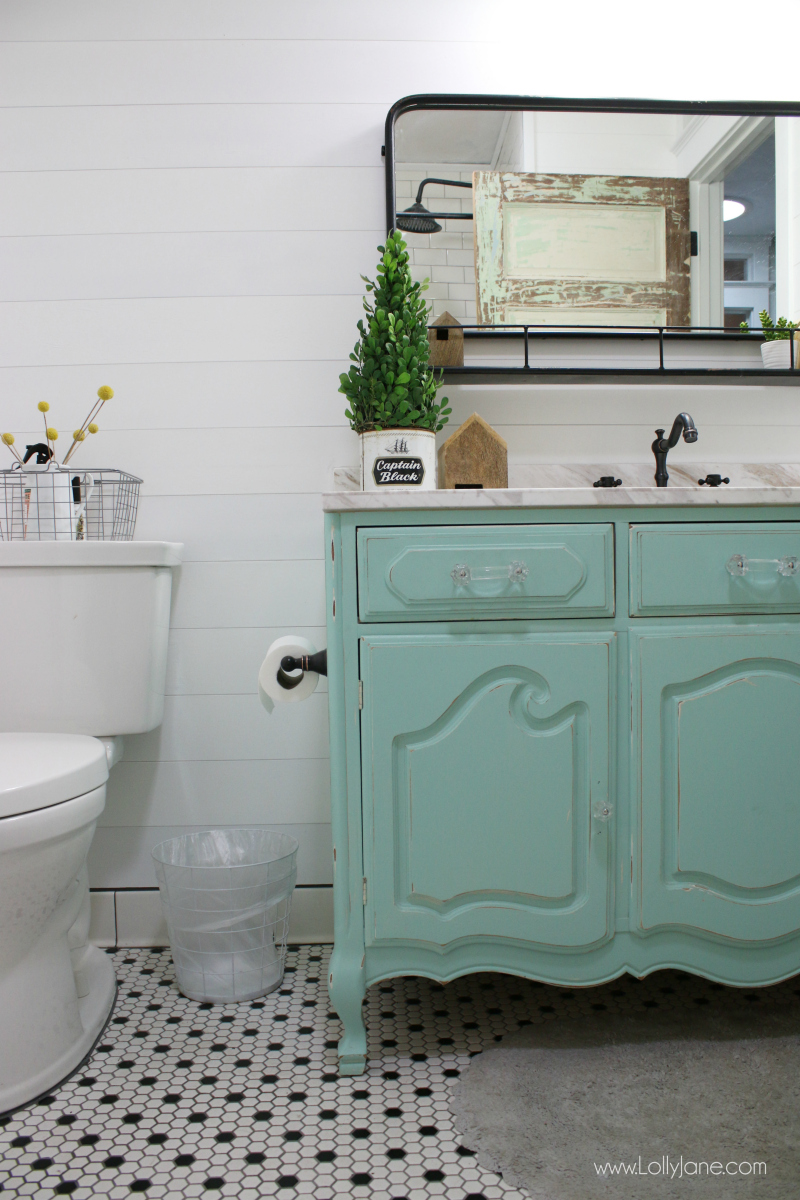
(666, 224)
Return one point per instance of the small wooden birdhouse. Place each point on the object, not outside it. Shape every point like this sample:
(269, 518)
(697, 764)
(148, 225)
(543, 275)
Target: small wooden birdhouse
(446, 345)
(474, 456)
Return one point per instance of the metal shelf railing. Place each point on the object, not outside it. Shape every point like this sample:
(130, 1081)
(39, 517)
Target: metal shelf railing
(662, 335)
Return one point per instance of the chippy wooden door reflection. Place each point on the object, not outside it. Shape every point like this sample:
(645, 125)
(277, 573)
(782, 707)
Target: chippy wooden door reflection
(581, 249)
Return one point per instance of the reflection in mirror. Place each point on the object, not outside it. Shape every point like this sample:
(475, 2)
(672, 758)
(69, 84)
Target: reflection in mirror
(418, 219)
(600, 219)
(748, 214)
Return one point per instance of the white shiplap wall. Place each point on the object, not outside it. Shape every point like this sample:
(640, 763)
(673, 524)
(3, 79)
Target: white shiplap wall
(190, 192)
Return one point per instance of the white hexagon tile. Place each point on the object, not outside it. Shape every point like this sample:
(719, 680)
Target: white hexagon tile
(181, 1099)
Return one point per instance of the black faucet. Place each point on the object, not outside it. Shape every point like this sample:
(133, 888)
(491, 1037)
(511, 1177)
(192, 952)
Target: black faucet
(683, 424)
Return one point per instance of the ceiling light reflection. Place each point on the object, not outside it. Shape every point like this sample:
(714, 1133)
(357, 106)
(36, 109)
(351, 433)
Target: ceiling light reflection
(731, 209)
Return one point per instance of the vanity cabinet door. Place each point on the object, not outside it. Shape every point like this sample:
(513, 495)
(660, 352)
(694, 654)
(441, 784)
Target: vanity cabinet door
(484, 759)
(720, 779)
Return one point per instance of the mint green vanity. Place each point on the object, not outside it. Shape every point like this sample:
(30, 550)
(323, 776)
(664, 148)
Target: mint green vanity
(565, 743)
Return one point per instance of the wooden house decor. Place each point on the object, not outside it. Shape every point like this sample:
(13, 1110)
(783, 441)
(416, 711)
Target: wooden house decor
(474, 457)
(581, 249)
(446, 345)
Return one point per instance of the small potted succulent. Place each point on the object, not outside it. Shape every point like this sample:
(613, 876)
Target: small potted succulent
(778, 344)
(391, 387)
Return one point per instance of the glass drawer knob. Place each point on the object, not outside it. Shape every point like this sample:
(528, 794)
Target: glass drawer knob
(462, 574)
(740, 564)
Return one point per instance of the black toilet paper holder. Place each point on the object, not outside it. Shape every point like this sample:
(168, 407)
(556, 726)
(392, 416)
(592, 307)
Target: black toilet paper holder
(305, 662)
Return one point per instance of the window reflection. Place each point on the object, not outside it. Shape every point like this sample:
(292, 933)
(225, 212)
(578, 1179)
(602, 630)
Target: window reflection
(749, 238)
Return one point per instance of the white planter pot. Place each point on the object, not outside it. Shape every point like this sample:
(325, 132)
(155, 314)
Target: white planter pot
(392, 459)
(776, 356)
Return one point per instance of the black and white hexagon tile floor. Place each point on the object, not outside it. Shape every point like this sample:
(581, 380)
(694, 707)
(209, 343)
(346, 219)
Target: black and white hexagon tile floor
(181, 1099)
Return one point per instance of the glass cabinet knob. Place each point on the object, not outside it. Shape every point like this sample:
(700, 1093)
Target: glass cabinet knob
(515, 572)
(740, 564)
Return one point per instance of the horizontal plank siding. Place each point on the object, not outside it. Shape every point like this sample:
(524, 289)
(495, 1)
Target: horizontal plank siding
(120, 856)
(227, 792)
(222, 196)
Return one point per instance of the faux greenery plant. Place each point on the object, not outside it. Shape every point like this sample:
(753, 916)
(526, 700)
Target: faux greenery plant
(391, 384)
(772, 333)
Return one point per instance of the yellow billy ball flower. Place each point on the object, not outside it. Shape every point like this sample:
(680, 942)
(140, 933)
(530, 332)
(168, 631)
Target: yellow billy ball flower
(79, 435)
(105, 393)
(43, 406)
(52, 433)
(93, 428)
(8, 438)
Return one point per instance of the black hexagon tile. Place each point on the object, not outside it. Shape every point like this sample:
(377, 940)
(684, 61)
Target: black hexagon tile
(182, 1100)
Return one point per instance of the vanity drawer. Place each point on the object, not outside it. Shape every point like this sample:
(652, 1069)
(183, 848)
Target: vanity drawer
(468, 572)
(696, 569)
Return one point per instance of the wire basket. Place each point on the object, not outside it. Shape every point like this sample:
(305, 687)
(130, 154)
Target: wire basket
(55, 503)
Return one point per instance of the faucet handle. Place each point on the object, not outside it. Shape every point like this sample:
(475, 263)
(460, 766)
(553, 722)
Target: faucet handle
(713, 480)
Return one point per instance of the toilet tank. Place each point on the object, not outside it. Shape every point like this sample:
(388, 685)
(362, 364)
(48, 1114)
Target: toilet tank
(84, 629)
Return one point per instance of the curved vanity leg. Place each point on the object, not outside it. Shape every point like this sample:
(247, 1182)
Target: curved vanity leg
(346, 988)
(347, 981)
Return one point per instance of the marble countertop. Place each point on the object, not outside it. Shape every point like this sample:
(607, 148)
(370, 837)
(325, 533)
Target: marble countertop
(553, 486)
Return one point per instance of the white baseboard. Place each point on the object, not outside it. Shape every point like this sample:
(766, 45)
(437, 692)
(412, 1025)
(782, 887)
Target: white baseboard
(103, 925)
(311, 918)
(140, 919)
(135, 918)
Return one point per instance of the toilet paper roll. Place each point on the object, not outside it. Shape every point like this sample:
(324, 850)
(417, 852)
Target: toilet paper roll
(270, 690)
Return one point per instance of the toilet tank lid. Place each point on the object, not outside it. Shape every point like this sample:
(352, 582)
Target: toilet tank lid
(90, 554)
(40, 769)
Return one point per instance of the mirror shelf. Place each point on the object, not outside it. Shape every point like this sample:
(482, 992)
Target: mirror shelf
(507, 354)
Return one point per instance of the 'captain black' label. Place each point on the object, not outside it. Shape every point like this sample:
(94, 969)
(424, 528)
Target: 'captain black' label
(401, 472)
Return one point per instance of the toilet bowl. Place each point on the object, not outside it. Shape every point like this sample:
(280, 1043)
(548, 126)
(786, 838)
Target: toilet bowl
(85, 629)
(52, 790)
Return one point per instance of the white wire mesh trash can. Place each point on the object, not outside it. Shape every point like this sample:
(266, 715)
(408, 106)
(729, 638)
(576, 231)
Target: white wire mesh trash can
(227, 894)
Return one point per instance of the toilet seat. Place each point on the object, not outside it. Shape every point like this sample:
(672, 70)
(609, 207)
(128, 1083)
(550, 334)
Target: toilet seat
(38, 770)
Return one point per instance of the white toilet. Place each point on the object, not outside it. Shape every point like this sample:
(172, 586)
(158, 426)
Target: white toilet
(84, 628)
